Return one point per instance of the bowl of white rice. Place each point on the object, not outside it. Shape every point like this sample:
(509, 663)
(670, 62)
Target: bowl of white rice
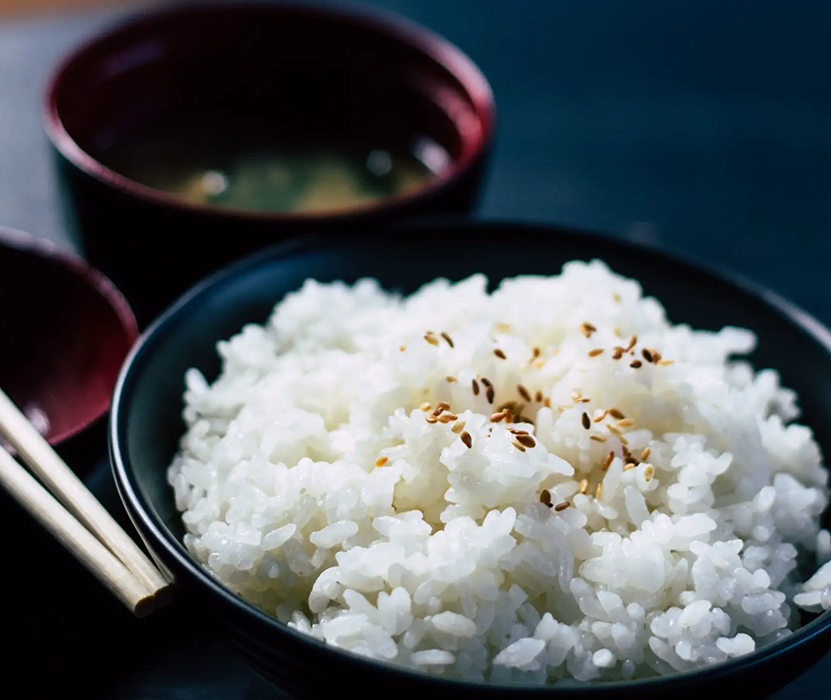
(479, 458)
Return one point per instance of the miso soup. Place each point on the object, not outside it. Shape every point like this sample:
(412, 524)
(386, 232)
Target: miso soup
(253, 166)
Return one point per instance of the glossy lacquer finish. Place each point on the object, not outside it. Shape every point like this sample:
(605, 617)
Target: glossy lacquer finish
(146, 425)
(320, 71)
(64, 333)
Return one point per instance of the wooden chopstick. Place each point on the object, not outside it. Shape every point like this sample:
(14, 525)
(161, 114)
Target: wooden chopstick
(74, 536)
(71, 492)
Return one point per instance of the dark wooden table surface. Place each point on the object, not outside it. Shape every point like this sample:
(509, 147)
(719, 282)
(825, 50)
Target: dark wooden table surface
(702, 126)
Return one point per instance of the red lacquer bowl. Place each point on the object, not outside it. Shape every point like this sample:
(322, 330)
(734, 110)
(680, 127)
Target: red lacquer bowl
(65, 332)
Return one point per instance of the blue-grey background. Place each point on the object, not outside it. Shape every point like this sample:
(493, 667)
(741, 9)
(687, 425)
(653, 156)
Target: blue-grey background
(703, 126)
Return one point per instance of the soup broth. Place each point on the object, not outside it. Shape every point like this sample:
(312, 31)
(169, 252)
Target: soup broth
(253, 166)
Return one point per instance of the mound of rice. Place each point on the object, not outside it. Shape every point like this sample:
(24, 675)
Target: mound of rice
(547, 481)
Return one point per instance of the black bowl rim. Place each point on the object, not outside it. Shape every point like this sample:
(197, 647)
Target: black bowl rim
(49, 253)
(407, 32)
(149, 522)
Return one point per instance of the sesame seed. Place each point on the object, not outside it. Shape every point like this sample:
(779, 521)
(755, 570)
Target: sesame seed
(451, 379)
(647, 354)
(518, 445)
(646, 452)
(617, 353)
(448, 339)
(431, 419)
(616, 296)
(625, 423)
(561, 506)
(523, 392)
(402, 348)
(648, 472)
(665, 363)
(635, 364)
(598, 438)
(656, 356)
(584, 399)
(441, 406)
(595, 352)
(489, 394)
(619, 435)
(496, 417)
(475, 386)
(587, 329)
(508, 405)
(501, 355)
(458, 426)
(448, 417)
(616, 413)
(633, 341)
(545, 497)
(486, 381)
(540, 363)
(526, 440)
(425, 406)
(538, 396)
(598, 492)
(547, 402)
(535, 352)
(431, 339)
(465, 436)
(600, 416)
(587, 422)
(617, 332)
(584, 486)
(381, 461)
(628, 466)
(608, 461)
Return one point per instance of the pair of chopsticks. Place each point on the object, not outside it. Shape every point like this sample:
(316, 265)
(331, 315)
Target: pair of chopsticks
(75, 517)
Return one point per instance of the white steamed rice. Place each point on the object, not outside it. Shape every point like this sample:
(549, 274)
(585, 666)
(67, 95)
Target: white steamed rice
(315, 482)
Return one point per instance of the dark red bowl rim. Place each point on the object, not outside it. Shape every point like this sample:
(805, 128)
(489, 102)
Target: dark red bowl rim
(404, 30)
(50, 252)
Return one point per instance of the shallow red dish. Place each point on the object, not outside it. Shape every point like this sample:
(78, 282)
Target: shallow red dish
(65, 332)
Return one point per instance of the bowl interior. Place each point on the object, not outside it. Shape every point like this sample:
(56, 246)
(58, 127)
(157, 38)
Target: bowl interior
(146, 422)
(66, 333)
(302, 71)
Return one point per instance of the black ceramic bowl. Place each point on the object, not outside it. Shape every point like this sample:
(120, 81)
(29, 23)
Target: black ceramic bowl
(145, 427)
(307, 69)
